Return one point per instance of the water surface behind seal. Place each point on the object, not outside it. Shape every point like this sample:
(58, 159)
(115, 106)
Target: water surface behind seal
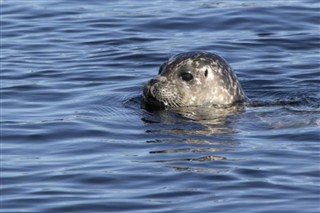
(73, 135)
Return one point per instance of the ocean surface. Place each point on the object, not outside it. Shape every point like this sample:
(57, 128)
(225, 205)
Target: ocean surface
(74, 137)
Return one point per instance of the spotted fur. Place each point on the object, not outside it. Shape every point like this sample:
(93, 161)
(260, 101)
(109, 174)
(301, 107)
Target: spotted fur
(194, 79)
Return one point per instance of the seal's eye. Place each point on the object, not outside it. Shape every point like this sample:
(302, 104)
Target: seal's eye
(206, 73)
(186, 76)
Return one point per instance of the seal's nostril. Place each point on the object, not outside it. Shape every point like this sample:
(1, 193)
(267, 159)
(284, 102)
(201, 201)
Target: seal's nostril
(153, 81)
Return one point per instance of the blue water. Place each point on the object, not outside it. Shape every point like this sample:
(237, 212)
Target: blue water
(75, 139)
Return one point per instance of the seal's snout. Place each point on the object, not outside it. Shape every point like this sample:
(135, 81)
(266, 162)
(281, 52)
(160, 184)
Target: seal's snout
(148, 88)
(149, 96)
(152, 84)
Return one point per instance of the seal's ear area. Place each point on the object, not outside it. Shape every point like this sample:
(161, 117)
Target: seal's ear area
(162, 66)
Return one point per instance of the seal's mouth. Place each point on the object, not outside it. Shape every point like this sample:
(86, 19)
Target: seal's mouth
(152, 103)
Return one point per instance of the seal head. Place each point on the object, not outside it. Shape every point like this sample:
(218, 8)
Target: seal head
(193, 79)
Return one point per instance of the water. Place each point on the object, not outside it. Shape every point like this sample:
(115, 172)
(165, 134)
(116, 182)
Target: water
(75, 139)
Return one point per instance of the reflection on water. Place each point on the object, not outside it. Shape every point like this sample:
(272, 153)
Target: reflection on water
(204, 158)
(211, 120)
(197, 170)
(192, 129)
(190, 150)
(193, 141)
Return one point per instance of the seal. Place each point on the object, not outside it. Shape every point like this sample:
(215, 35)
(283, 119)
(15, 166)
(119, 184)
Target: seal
(193, 79)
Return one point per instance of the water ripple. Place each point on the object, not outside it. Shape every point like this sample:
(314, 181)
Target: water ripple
(74, 135)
